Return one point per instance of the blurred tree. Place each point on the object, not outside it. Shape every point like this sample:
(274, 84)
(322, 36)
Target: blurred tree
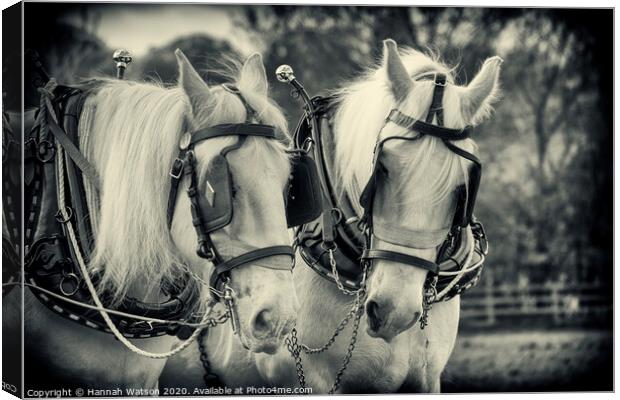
(539, 148)
(304, 37)
(551, 112)
(204, 52)
(593, 167)
(69, 49)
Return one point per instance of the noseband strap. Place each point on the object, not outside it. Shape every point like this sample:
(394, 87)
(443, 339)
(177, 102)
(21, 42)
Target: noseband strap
(414, 238)
(372, 254)
(248, 258)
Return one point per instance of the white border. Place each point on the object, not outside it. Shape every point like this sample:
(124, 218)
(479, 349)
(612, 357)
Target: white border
(495, 3)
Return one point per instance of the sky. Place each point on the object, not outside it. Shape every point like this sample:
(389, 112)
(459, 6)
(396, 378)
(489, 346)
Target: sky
(139, 27)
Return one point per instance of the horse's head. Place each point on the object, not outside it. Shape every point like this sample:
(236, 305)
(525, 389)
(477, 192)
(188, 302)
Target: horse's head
(419, 195)
(259, 169)
(415, 196)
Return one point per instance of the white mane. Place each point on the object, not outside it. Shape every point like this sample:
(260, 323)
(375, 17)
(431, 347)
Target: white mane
(131, 131)
(362, 109)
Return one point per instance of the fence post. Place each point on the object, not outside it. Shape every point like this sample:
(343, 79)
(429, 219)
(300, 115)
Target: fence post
(555, 302)
(523, 295)
(490, 303)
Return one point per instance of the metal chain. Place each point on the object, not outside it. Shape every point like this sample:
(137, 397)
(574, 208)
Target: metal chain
(334, 267)
(430, 294)
(345, 321)
(210, 378)
(295, 348)
(351, 347)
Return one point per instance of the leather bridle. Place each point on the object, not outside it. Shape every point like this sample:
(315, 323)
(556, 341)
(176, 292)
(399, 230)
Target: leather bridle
(446, 135)
(185, 165)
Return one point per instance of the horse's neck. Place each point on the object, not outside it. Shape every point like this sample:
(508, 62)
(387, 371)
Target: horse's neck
(319, 298)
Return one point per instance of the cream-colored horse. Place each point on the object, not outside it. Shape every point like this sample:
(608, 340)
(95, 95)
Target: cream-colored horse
(393, 353)
(130, 131)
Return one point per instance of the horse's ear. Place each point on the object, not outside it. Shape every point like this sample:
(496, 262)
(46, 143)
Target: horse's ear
(192, 84)
(399, 80)
(253, 74)
(483, 91)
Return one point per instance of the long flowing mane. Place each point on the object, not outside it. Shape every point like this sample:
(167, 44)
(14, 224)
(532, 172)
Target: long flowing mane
(362, 107)
(131, 131)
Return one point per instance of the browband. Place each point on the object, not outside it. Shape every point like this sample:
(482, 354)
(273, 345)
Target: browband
(243, 129)
(425, 128)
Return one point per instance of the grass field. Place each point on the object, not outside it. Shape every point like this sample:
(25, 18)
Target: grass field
(539, 360)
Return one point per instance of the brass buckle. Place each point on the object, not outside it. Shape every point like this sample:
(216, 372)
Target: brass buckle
(177, 168)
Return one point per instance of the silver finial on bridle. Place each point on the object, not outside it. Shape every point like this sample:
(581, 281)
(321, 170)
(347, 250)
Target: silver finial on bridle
(122, 58)
(284, 73)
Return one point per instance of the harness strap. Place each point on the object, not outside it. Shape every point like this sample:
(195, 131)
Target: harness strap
(248, 258)
(184, 164)
(436, 109)
(426, 128)
(370, 254)
(72, 151)
(463, 153)
(250, 112)
(176, 173)
(206, 248)
(243, 129)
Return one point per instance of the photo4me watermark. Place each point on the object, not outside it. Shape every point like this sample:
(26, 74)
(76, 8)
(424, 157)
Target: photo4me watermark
(172, 391)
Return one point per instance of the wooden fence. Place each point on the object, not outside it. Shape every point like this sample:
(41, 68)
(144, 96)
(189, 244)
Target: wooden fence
(488, 303)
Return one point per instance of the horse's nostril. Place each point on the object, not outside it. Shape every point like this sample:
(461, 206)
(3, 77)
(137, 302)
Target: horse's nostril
(373, 313)
(263, 323)
(416, 317)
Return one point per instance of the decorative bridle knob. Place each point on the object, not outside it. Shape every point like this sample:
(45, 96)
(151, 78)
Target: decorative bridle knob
(122, 58)
(284, 73)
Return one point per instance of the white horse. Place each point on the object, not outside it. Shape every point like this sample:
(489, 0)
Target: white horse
(419, 194)
(130, 132)
(392, 354)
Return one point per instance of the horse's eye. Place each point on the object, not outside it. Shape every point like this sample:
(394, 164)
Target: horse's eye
(233, 191)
